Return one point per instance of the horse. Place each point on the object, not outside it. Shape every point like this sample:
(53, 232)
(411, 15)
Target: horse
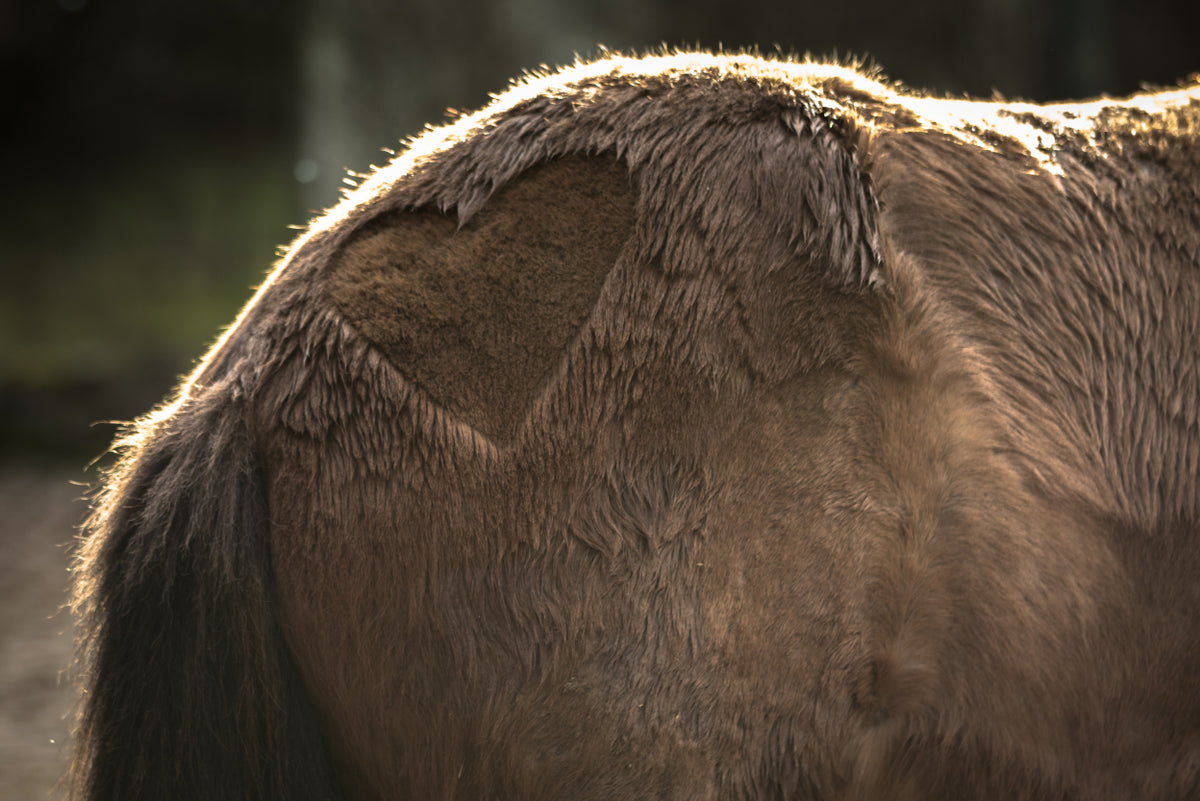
(685, 427)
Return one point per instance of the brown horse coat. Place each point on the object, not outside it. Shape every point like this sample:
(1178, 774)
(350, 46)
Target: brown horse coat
(696, 428)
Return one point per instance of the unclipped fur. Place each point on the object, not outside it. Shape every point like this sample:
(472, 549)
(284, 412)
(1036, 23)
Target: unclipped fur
(693, 427)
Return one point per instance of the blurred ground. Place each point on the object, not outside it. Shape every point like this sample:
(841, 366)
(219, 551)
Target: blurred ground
(39, 508)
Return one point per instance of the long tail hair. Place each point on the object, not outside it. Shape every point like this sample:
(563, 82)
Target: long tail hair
(189, 688)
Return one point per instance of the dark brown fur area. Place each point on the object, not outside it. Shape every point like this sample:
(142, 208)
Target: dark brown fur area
(685, 428)
(478, 314)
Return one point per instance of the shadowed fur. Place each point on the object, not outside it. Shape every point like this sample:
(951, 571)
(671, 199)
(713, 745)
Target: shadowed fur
(691, 427)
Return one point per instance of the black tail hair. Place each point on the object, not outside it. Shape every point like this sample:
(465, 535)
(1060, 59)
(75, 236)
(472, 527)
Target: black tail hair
(189, 689)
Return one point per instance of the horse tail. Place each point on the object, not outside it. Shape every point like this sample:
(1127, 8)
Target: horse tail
(189, 688)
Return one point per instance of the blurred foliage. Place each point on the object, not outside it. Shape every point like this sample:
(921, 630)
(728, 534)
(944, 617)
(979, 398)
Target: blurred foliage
(149, 148)
(158, 259)
(103, 311)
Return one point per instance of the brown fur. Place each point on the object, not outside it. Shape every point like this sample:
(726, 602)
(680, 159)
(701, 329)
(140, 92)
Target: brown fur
(695, 427)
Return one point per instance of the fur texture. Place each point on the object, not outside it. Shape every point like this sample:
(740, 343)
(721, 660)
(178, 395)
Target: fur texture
(691, 427)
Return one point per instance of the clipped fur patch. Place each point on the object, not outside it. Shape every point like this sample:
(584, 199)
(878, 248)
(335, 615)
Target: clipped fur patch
(479, 315)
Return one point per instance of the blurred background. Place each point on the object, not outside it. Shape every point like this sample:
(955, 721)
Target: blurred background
(155, 157)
